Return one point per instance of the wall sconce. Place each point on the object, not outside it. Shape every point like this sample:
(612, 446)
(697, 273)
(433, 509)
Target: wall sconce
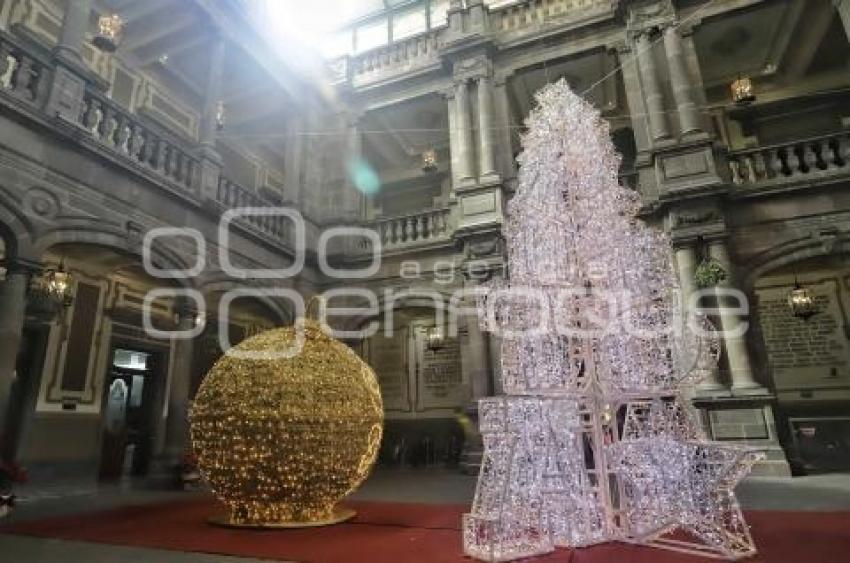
(58, 283)
(51, 291)
(110, 30)
(197, 318)
(801, 302)
(220, 115)
(434, 338)
(429, 161)
(742, 91)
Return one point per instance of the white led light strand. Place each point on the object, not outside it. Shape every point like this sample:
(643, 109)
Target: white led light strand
(593, 441)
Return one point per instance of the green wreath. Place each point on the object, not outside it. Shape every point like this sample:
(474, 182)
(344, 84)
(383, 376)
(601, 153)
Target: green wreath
(709, 273)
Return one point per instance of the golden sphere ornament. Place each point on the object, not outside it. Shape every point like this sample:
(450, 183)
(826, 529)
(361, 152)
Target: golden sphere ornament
(281, 440)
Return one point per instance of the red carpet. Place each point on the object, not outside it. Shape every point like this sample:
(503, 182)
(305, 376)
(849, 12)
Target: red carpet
(395, 532)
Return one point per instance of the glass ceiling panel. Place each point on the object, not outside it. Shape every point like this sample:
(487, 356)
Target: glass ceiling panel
(311, 19)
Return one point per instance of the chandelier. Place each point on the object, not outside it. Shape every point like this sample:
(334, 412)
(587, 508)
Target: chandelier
(801, 302)
(52, 290)
(435, 339)
(429, 160)
(742, 91)
(110, 29)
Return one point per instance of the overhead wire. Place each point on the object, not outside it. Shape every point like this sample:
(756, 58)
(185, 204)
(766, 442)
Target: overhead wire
(706, 110)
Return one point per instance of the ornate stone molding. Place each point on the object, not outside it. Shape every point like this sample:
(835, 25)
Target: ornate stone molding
(648, 15)
(472, 68)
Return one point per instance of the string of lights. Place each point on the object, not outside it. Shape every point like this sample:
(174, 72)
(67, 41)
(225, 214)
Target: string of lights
(593, 440)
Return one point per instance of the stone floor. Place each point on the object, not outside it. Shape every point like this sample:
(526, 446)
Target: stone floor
(825, 492)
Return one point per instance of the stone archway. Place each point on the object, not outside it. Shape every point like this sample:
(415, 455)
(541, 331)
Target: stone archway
(17, 232)
(110, 311)
(124, 241)
(808, 359)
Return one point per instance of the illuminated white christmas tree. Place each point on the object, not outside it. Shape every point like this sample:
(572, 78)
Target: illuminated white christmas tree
(593, 441)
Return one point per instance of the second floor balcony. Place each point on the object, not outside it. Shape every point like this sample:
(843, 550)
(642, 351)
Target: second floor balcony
(382, 48)
(822, 159)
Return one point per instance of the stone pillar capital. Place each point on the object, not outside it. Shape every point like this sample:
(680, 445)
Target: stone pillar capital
(75, 23)
(501, 78)
(649, 17)
(472, 68)
(620, 46)
(447, 93)
(684, 242)
(686, 29)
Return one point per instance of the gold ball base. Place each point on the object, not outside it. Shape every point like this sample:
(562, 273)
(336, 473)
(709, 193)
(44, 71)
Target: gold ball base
(339, 515)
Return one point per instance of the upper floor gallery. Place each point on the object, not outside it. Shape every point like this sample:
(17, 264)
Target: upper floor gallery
(412, 121)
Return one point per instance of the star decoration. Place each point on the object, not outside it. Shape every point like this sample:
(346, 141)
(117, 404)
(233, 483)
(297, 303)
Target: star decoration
(672, 485)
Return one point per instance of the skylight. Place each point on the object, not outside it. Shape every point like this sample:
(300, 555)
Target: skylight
(335, 28)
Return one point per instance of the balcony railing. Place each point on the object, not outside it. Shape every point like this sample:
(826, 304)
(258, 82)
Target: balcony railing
(400, 57)
(536, 13)
(512, 23)
(122, 133)
(23, 76)
(412, 230)
(810, 159)
(144, 148)
(232, 195)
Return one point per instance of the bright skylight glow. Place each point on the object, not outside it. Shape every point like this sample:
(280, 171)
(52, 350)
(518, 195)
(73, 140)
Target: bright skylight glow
(314, 21)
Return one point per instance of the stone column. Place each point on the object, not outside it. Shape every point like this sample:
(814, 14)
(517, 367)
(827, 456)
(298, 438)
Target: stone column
(503, 129)
(464, 133)
(71, 76)
(453, 140)
(689, 121)
(651, 87)
(475, 363)
(843, 7)
(737, 355)
(352, 199)
(75, 24)
(177, 421)
(487, 164)
(211, 162)
(455, 16)
(631, 80)
(212, 94)
(293, 160)
(686, 262)
(13, 298)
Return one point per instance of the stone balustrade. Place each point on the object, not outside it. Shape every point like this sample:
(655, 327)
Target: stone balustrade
(123, 133)
(535, 13)
(511, 23)
(23, 76)
(232, 195)
(810, 159)
(400, 57)
(411, 230)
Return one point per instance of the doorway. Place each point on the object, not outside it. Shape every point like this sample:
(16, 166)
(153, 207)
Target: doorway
(128, 430)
